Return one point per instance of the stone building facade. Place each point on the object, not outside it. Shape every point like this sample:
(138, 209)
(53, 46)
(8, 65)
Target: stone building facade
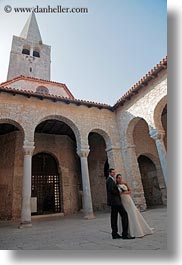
(56, 150)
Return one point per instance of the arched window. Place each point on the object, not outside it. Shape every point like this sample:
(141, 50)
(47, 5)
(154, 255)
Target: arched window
(36, 54)
(42, 90)
(26, 51)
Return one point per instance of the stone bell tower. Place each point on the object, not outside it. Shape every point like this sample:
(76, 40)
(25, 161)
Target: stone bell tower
(29, 56)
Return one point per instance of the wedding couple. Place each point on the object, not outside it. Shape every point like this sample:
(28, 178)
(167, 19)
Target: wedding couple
(131, 222)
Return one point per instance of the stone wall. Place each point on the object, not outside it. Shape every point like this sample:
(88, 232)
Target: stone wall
(54, 89)
(29, 112)
(20, 64)
(7, 154)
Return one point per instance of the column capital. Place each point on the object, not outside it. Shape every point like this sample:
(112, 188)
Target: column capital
(83, 152)
(131, 146)
(28, 148)
(113, 148)
(128, 146)
(157, 134)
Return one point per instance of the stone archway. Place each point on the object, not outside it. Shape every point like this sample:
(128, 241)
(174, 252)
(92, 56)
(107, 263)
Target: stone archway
(104, 135)
(65, 121)
(148, 171)
(158, 112)
(11, 168)
(56, 137)
(130, 130)
(140, 142)
(97, 160)
(131, 165)
(159, 133)
(164, 125)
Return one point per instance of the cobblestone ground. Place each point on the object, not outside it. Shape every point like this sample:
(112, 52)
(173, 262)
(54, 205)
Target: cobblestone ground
(75, 233)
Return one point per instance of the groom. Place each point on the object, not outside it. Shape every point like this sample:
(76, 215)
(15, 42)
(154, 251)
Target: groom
(114, 200)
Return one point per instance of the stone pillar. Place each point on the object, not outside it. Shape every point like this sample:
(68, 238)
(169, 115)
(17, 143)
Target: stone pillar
(158, 137)
(134, 178)
(87, 197)
(26, 186)
(115, 159)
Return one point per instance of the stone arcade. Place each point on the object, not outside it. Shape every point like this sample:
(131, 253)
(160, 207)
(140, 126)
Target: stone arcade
(55, 150)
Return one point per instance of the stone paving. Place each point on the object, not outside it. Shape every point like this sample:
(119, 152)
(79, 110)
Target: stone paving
(76, 233)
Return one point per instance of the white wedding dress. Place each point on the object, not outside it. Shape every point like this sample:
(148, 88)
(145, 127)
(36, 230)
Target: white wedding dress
(138, 227)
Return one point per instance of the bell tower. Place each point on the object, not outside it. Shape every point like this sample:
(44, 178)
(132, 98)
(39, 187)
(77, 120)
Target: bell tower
(29, 56)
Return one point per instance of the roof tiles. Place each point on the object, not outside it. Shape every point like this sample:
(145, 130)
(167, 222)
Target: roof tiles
(135, 89)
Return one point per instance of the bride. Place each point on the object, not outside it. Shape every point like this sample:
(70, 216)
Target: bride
(138, 227)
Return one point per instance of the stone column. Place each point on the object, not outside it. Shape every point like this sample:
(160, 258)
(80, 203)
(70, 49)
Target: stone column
(158, 138)
(115, 159)
(87, 197)
(134, 178)
(26, 186)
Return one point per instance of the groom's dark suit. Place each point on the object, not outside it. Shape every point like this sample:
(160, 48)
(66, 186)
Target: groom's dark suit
(114, 200)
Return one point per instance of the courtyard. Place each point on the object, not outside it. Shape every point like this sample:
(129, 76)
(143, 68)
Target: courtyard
(75, 233)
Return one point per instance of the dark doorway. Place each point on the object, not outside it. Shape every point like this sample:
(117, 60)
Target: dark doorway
(150, 183)
(106, 169)
(46, 184)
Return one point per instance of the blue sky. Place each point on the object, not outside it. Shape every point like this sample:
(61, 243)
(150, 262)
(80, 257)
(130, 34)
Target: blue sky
(99, 55)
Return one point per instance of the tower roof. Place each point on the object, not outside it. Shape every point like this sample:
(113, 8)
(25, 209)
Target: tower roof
(31, 30)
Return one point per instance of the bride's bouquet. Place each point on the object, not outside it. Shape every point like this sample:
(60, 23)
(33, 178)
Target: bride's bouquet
(122, 187)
